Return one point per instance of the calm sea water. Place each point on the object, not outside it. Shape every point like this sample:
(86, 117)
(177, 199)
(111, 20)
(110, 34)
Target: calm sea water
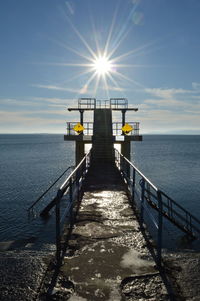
(30, 163)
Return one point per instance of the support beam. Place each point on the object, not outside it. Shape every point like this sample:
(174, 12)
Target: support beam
(81, 116)
(123, 117)
(79, 151)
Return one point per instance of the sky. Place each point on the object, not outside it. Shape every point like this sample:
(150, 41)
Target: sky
(53, 52)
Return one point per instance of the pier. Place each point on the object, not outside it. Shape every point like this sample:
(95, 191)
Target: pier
(104, 250)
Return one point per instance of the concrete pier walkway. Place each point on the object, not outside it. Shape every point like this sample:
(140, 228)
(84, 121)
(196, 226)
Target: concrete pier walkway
(107, 258)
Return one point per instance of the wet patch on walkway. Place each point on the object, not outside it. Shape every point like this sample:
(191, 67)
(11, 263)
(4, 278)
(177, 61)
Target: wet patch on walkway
(107, 256)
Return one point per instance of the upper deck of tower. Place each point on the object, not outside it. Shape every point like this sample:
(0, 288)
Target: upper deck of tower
(119, 133)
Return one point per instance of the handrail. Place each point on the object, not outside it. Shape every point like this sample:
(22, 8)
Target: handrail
(138, 171)
(148, 193)
(73, 173)
(156, 189)
(45, 192)
(72, 185)
(182, 208)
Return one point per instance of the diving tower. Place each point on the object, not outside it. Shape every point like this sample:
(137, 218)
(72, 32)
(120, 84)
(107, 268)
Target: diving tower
(102, 133)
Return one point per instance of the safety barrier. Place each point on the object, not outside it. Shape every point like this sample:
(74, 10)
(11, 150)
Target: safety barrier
(145, 194)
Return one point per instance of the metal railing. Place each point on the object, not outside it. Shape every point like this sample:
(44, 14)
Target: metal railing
(65, 201)
(147, 196)
(112, 103)
(116, 128)
(88, 128)
(118, 103)
(70, 190)
(47, 190)
(103, 104)
(87, 103)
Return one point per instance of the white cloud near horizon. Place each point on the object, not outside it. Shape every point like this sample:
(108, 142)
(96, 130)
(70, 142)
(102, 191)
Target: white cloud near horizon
(161, 110)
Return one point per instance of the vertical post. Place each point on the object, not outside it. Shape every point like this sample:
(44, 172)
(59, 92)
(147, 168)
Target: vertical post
(71, 201)
(123, 118)
(58, 232)
(68, 128)
(142, 201)
(133, 186)
(160, 228)
(81, 116)
(81, 119)
(78, 175)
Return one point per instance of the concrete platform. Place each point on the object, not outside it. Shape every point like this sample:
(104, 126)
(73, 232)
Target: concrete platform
(108, 258)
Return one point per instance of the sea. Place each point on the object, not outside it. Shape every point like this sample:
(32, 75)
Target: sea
(29, 164)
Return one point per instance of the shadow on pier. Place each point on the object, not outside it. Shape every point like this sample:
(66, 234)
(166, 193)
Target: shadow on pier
(106, 255)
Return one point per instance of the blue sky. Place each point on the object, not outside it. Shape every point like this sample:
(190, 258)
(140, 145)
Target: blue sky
(48, 54)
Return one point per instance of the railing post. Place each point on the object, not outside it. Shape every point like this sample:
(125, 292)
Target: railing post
(71, 201)
(58, 230)
(142, 201)
(78, 175)
(133, 186)
(117, 159)
(121, 163)
(160, 228)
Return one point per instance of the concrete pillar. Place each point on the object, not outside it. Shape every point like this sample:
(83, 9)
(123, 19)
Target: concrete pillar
(79, 151)
(126, 149)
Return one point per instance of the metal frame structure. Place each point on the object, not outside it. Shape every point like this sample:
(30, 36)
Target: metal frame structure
(88, 128)
(112, 103)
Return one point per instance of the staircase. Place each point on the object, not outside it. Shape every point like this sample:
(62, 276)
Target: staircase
(102, 136)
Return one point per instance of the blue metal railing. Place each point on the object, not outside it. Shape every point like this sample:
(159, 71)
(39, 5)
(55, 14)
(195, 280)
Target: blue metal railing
(48, 189)
(68, 195)
(145, 194)
(70, 190)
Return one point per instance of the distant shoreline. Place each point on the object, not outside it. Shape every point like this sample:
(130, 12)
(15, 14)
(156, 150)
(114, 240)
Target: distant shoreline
(155, 134)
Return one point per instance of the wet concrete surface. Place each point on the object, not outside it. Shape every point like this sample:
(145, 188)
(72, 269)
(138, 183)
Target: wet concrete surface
(183, 269)
(21, 274)
(108, 258)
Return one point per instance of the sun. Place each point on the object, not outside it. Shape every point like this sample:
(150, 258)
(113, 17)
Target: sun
(102, 62)
(102, 65)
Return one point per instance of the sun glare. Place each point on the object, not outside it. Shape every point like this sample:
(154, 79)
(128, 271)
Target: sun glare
(102, 65)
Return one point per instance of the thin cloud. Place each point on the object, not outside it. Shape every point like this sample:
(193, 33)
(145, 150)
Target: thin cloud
(167, 102)
(196, 86)
(167, 93)
(59, 88)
